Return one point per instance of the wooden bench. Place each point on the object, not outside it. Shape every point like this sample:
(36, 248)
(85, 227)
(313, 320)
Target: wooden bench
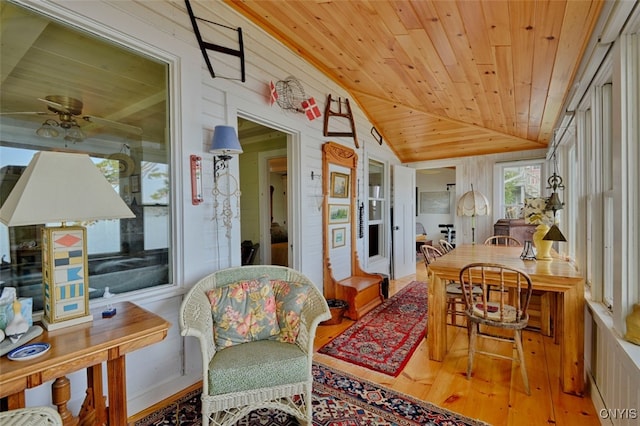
(362, 293)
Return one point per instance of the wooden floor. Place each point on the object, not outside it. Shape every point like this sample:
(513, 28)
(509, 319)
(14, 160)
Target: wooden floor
(495, 393)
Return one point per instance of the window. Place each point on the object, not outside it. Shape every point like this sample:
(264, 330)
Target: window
(514, 182)
(96, 97)
(377, 206)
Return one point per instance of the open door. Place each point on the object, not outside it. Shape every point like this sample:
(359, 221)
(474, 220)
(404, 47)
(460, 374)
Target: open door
(404, 222)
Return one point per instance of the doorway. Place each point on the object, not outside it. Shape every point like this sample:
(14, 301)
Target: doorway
(435, 205)
(264, 204)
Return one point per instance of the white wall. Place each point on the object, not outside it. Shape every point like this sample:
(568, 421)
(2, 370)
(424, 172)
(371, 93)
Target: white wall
(163, 28)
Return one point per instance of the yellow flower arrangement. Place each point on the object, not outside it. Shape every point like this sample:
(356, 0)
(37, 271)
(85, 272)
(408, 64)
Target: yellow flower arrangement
(535, 212)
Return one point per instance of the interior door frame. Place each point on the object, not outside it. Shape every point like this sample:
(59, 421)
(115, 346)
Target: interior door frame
(264, 202)
(294, 186)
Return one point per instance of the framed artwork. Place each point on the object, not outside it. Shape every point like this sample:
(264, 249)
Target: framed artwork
(435, 202)
(338, 213)
(339, 185)
(338, 235)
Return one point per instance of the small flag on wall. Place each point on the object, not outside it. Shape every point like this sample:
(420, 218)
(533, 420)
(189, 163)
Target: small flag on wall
(311, 109)
(274, 92)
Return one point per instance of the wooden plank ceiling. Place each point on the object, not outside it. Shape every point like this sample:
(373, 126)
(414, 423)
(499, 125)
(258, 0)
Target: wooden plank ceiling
(442, 79)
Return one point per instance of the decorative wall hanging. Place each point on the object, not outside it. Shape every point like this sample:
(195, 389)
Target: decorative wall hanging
(346, 113)
(311, 109)
(273, 93)
(339, 185)
(290, 94)
(204, 46)
(437, 202)
(339, 213)
(376, 135)
(196, 180)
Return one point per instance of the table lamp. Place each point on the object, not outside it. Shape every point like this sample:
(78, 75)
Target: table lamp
(473, 203)
(59, 187)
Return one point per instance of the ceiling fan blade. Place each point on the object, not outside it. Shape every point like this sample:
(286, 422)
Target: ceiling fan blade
(113, 124)
(56, 106)
(26, 113)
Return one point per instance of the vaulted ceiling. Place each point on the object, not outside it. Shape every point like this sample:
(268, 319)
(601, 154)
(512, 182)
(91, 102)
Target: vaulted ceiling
(442, 79)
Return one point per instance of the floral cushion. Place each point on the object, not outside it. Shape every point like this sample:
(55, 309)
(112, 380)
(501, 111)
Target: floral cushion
(243, 312)
(290, 298)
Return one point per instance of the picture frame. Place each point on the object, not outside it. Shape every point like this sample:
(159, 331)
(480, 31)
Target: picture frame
(338, 237)
(339, 185)
(339, 213)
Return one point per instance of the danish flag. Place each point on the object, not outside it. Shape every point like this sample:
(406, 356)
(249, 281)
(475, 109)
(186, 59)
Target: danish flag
(274, 92)
(311, 109)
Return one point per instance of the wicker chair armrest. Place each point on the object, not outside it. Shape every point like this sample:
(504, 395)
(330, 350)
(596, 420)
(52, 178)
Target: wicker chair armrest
(196, 319)
(313, 312)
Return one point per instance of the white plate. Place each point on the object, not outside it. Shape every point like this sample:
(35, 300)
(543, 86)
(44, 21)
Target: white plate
(28, 351)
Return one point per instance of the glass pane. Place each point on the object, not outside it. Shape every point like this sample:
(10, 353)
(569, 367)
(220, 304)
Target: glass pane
(376, 179)
(375, 240)
(375, 210)
(520, 182)
(69, 90)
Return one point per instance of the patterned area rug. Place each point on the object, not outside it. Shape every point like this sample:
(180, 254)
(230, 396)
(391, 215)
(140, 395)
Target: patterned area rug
(338, 399)
(384, 339)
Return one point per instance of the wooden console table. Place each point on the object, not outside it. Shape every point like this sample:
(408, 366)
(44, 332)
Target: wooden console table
(86, 346)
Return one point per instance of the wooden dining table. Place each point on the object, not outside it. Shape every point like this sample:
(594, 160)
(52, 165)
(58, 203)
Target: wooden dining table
(558, 275)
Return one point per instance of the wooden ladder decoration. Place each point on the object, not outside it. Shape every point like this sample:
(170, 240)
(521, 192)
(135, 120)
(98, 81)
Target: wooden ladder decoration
(346, 114)
(204, 45)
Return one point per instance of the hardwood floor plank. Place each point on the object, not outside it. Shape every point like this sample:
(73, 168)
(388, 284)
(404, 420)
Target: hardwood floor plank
(495, 393)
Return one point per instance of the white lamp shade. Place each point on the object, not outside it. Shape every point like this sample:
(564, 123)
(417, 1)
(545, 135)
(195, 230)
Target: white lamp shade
(473, 203)
(225, 141)
(62, 187)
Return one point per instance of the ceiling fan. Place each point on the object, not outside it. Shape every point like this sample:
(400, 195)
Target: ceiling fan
(69, 110)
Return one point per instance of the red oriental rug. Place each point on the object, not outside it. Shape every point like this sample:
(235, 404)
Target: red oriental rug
(385, 338)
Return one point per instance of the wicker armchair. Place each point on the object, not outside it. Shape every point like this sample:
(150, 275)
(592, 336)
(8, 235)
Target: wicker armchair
(35, 416)
(259, 374)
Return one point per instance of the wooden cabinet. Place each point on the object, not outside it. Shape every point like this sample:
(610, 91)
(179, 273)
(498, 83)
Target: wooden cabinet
(516, 228)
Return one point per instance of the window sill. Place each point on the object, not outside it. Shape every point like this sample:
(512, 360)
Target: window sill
(602, 317)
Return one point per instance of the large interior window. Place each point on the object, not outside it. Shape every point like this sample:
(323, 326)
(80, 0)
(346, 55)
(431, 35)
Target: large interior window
(64, 89)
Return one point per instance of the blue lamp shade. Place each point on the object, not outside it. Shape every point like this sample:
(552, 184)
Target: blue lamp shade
(225, 141)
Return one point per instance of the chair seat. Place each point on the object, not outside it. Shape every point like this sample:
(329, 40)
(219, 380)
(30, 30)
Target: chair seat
(254, 365)
(454, 288)
(493, 312)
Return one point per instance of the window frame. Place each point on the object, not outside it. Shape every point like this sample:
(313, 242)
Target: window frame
(498, 181)
(384, 208)
(118, 34)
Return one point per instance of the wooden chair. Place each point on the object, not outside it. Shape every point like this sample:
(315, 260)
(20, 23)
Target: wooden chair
(502, 240)
(446, 246)
(505, 313)
(545, 299)
(455, 300)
